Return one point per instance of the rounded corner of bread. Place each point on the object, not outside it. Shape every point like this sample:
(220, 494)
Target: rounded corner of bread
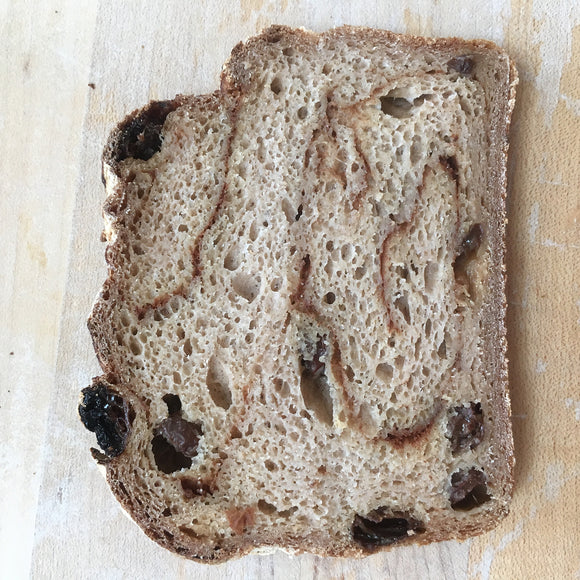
(306, 291)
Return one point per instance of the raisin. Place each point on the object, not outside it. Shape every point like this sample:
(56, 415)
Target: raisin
(464, 65)
(175, 443)
(140, 136)
(468, 489)
(299, 212)
(379, 530)
(181, 434)
(173, 403)
(465, 428)
(108, 415)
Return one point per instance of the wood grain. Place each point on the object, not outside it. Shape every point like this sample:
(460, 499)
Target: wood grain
(69, 71)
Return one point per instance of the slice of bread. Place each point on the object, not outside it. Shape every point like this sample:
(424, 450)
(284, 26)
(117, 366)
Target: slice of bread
(302, 332)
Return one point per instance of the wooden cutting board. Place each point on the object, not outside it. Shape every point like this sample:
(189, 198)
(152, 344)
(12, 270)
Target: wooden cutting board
(69, 70)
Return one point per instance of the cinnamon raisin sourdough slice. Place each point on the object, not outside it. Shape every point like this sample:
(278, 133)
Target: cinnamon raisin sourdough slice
(302, 333)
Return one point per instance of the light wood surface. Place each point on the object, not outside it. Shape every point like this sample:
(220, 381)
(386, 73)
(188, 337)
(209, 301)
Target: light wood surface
(69, 70)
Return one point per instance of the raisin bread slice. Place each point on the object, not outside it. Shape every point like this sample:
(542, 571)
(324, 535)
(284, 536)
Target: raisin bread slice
(302, 332)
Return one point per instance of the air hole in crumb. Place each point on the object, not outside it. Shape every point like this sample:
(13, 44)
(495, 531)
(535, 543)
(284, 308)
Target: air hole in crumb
(330, 298)
(254, 231)
(270, 465)
(166, 512)
(289, 51)
(217, 382)
(246, 286)
(299, 212)
(349, 372)
(384, 372)
(276, 285)
(281, 387)
(288, 210)
(402, 304)
(135, 346)
(359, 272)
(346, 252)
(394, 106)
(266, 508)
(314, 384)
(276, 85)
(428, 325)
(402, 272)
(187, 348)
(431, 271)
(167, 458)
(442, 350)
(287, 513)
(232, 260)
(399, 362)
(302, 113)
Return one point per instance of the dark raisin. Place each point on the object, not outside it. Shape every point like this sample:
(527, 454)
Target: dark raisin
(173, 403)
(464, 65)
(140, 136)
(468, 489)
(299, 212)
(175, 443)
(181, 434)
(465, 428)
(108, 415)
(377, 529)
(194, 487)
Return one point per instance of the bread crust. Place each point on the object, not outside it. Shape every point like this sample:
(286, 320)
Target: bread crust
(235, 83)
